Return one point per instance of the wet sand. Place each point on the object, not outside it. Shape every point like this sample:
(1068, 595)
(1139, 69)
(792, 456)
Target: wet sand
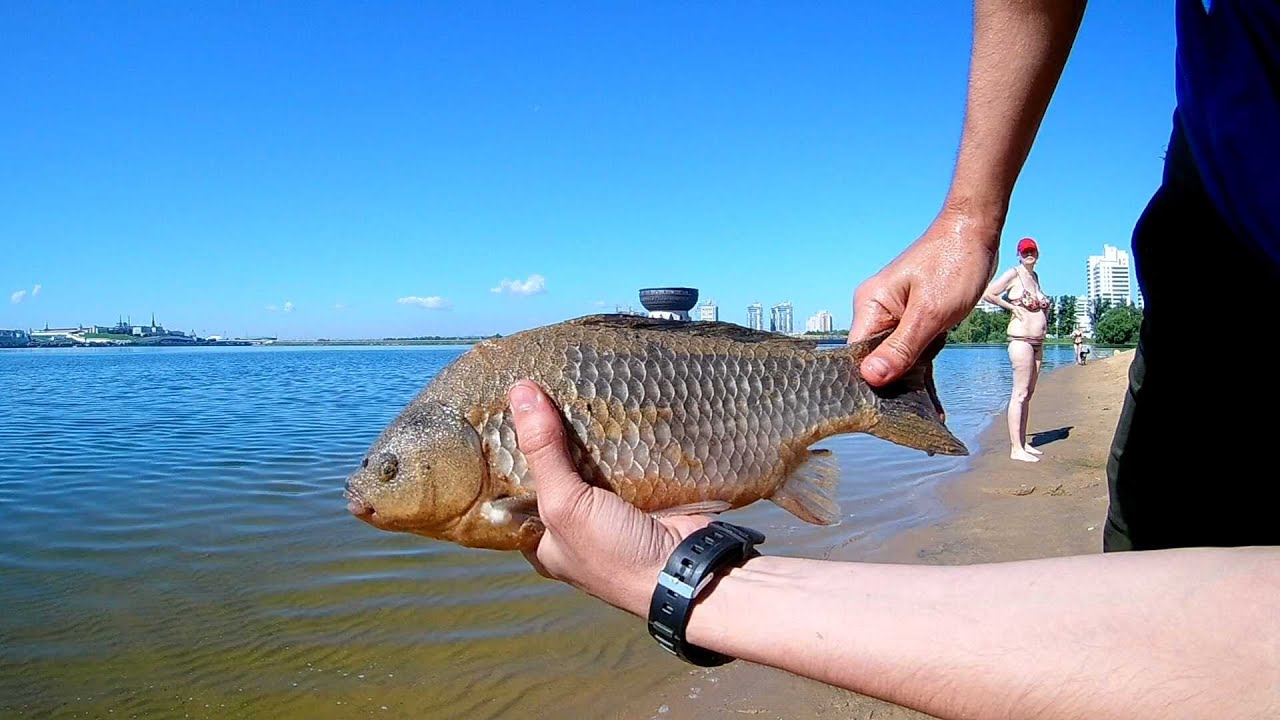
(1000, 510)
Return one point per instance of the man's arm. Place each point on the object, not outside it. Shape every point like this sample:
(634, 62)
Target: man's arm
(1019, 50)
(1189, 633)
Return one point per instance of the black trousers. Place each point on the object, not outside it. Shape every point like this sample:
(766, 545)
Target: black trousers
(1194, 459)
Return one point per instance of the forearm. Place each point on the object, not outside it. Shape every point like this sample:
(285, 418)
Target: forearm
(1186, 633)
(1019, 50)
(998, 301)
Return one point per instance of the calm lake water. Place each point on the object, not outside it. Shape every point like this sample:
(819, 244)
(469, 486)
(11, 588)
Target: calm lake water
(174, 543)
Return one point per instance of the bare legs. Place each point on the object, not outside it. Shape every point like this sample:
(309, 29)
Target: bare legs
(1026, 360)
(1031, 390)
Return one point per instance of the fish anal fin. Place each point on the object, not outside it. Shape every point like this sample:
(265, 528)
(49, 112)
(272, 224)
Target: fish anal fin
(809, 491)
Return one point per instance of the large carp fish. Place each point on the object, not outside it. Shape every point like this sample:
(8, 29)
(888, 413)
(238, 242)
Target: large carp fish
(673, 416)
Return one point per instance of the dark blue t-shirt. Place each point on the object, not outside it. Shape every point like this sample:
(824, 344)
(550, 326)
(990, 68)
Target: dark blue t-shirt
(1228, 85)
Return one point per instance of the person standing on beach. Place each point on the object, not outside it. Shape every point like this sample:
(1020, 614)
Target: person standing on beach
(1077, 341)
(1030, 309)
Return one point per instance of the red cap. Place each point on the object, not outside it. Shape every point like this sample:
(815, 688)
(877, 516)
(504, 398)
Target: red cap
(1027, 243)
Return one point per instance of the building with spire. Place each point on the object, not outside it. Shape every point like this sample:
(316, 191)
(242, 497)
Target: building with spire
(151, 330)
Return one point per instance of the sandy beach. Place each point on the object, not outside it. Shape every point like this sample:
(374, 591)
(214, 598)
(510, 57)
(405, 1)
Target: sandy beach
(1000, 510)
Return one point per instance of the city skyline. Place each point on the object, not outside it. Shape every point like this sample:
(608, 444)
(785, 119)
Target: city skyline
(1108, 275)
(524, 165)
(782, 320)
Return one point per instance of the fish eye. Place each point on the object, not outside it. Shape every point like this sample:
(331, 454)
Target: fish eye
(387, 470)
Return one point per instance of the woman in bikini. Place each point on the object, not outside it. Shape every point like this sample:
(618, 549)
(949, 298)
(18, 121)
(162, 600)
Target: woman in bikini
(1027, 328)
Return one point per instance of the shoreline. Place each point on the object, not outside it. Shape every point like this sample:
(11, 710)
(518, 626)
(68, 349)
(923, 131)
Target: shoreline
(458, 342)
(997, 510)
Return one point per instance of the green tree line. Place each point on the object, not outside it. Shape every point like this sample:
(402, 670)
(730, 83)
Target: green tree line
(1112, 324)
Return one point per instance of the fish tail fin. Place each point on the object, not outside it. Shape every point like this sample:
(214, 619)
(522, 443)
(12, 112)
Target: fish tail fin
(809, 491)
(908, 411)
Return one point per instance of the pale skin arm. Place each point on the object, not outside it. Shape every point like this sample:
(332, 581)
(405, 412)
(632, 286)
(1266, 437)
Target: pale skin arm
(1019, 51)
(1190, 633)
(998, 287)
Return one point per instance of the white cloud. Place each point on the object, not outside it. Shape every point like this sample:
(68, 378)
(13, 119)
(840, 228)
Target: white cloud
(273, 308)
(534, 285)
(601, 303)
(35, 290)
(339, 306)
(288, 306)
(18, 297)
(431, 302)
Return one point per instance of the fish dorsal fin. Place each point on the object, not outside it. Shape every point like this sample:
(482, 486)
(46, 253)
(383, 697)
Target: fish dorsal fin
(700, 328)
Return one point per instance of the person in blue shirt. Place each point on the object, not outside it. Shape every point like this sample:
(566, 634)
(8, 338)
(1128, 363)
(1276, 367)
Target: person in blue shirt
(1161, 631)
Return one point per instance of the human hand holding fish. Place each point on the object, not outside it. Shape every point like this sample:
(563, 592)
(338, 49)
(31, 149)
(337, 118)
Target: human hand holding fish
(927, 289)
(593, 539)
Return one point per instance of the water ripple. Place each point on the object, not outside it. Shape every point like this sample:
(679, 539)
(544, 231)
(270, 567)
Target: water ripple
(175, 543)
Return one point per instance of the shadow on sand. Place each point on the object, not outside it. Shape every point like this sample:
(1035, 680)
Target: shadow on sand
(1048, 436)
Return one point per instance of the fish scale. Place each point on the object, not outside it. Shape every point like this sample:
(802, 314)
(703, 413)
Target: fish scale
(723, 455)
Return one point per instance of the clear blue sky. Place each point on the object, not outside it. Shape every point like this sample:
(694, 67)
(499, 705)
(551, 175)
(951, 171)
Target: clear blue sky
(214, 162)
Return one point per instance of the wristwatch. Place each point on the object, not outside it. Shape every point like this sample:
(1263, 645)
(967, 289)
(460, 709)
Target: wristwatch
(691, 567)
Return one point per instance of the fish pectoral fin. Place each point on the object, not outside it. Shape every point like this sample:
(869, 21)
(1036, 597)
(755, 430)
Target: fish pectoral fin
(809, 491)
(696, 508)
(520, 507)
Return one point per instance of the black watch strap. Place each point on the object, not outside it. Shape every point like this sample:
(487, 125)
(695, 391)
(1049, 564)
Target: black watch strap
(692, 565)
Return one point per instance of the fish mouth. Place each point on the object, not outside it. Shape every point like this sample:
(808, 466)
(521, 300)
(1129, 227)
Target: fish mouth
(357, 505)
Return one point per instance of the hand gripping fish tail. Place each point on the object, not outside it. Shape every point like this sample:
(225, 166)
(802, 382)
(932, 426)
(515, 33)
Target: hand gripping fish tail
(909, 411)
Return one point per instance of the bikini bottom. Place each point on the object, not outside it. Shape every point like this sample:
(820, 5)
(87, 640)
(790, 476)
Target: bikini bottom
(1033, 341)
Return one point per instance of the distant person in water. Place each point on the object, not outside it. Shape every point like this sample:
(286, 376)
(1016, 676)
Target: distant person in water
(1027, 328)
(1077, 339)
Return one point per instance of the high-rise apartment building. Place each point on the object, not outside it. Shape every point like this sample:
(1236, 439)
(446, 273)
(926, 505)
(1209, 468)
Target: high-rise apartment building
(780, 320)
(709, 311)
(1108, 277)
(820, 321)
(755, 316)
